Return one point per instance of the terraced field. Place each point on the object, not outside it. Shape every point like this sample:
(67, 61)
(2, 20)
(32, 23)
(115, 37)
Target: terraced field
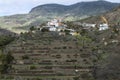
(48, 56)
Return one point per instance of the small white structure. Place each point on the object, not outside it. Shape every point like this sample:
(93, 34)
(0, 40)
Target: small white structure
(72, 32)
(115, 41)
(76, 70)
(55, 25)
(52, 29)
(21, 62)
(103, 27)
(88, 25)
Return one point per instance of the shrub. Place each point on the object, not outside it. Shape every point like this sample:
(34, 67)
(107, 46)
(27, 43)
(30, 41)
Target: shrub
(64, 47)
(32, 67)
(32, 28)
(25, 57)
(45, 30)
(6, 60)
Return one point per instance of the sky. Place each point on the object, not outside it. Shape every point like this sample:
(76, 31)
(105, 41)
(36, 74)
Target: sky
(10, 7)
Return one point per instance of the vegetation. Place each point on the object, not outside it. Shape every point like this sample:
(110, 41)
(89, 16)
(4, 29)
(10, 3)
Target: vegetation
(87, 52)
(25, 57)
(32, 28)
(32, 67)
(4, 40)
(6, 60)
(67, 32)
(83, 40)
(45, 30)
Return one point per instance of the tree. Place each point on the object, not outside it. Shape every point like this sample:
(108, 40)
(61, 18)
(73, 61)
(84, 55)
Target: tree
(32, 28)
(45, 30)
(67, 32)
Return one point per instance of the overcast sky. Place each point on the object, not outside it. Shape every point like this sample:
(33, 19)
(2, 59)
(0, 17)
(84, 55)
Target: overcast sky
(9, 7)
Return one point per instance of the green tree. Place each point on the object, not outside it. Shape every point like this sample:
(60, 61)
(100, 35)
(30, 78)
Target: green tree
(67, 32)
(45, 30)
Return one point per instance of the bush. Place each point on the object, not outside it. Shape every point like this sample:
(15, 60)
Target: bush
(32, 67)
(64, 47)
(25, 57)
(76, 78)
(32, 28)
(4, 40)
(6, 60)
(45, 30)
(67, 32)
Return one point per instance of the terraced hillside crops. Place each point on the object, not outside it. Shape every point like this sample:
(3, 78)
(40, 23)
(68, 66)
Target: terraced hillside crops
(48, 56)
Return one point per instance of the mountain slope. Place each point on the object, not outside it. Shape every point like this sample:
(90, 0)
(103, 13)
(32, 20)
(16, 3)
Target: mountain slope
(49, 9)
(113, 17)
(79, 9)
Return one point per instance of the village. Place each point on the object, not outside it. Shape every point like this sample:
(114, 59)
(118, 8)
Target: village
(57, 25)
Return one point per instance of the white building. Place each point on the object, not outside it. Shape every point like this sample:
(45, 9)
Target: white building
(88, 25)
(54, 22)
(103, 27)
(52, 29)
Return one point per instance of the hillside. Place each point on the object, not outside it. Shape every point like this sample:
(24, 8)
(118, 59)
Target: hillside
(4, 32)
(113, 17)
(21, 22)
(47, 56)
(79, 9)
(6, 37)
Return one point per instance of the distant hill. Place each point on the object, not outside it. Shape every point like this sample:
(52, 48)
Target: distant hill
(49, 9)
(78, 9)
(21, 22)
